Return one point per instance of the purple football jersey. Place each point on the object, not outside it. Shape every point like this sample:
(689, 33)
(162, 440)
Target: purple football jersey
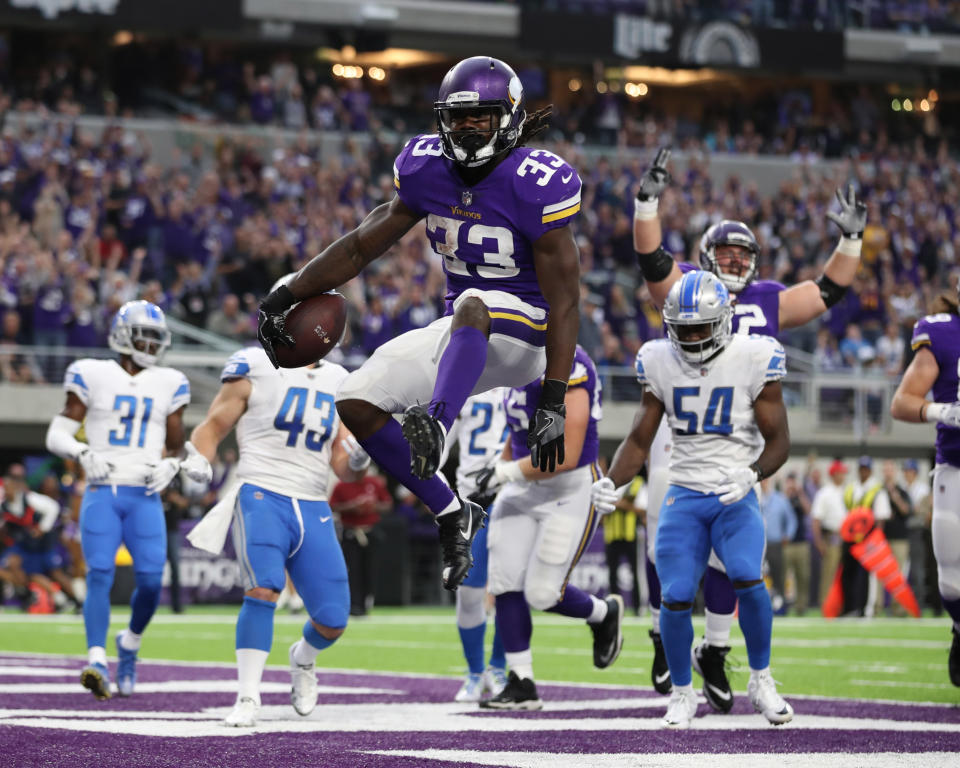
(756, 309)
(485, 232)
(941, 335)
(521, 402)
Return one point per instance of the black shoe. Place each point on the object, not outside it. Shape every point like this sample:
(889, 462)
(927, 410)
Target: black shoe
(457, 530)
(518, 695)
(425, 436)
(660, 672)
(710, 662)
(954, 663)
(608, 634)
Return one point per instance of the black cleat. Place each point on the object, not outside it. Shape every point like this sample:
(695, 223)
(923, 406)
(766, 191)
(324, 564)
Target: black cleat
(425, 436)
(953, 665)
(457, 530)
(608, 634)
(710, 662)
(518, 695)
(660, 673)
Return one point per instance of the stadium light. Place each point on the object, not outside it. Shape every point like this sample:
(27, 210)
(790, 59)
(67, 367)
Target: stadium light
(338, 70)
(895, 105)
(601, 87)
(642, 89)
(376, 73)
(908, 105)
(933, 95)
(574, 84)
(924, 105)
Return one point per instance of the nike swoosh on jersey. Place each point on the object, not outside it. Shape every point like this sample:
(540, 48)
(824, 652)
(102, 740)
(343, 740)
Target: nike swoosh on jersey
(567, 178)
(725, 695)
(324, 519)
(662, 678)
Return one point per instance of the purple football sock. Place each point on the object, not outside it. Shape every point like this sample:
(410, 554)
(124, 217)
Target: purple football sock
(513, 622)
(653, 585)
(389, 448)
(953, 608)
(719, 595)
(460, 367)
(575, 602)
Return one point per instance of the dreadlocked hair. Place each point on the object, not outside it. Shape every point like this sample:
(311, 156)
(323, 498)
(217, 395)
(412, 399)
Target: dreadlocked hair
(535, 124)
(945, 303)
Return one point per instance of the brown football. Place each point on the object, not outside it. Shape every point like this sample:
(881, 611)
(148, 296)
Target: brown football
(316, 324)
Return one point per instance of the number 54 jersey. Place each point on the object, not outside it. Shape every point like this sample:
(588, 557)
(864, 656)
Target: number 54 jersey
(710, 408)
(126, 420)
(286, 434)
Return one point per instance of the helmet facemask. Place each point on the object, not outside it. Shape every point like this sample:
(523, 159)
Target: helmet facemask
(140, 331)
(699, 343)
(698, 317)
(730, 233)
(473, 145)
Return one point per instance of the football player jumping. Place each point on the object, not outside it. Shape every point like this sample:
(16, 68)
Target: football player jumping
(730, 251)
(936, 367)
(722, 398)
(289, 437)
(498, 213)
(131, 409)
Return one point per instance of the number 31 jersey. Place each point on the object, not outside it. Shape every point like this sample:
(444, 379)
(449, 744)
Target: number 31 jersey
(485, 232)
(710, 408)
(126, 420)
(286, 434)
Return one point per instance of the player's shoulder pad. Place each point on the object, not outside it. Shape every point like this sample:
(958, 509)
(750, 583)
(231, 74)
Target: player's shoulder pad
(79, 375)
(648, 358)
(414, 156)
(545, 180)
(179, 384)
(246, 363)
(768, 354)
(767, 286)
(926, 328)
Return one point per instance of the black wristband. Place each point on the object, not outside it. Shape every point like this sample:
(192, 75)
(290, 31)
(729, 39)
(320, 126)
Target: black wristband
(830, 292)
(278, 302)
(553, 392)
(655, 266)
(756, 468)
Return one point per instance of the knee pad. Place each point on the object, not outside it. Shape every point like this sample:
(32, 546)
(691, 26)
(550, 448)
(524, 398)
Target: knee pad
(99, 578)
(471, 612)
(332, 614)
(558, 540)
(541, 596)
(149, 582)
(679, 591)
(740, 570)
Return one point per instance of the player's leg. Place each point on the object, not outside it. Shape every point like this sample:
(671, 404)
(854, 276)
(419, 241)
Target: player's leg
(657, 483)
(682, 549)
(101, 533)
(738, 537)
(319, 572)
(710, 655)
(145, 534)
(472, 621)
(946, 549)
(265, 531)
(510, 541)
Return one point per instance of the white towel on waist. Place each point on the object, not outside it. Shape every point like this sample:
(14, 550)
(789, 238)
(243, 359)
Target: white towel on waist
(211, 532)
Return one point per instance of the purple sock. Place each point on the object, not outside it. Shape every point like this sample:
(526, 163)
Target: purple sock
(952, 607)
(653, 585)
(388, 447)
(718, 593)
(575, 602)
(460, 367)
(513, 622)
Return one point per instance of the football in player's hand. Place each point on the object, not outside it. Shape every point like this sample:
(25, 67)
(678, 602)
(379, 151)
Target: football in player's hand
(316, 324)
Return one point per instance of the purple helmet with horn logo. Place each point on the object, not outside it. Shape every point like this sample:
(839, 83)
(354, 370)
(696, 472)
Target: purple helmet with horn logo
(729, 232)
(477, 86)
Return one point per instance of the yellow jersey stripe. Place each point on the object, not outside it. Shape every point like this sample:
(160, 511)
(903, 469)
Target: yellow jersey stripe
(560, 214)
(519, 318)
(396, 182)
(574, 382)
(919, 343)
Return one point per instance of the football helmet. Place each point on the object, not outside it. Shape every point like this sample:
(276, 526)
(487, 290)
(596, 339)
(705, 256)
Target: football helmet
(139, 329)
(477, 85)
(729, 232)
(698, 301)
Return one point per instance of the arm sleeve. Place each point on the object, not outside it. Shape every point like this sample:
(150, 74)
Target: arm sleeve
(47, 509)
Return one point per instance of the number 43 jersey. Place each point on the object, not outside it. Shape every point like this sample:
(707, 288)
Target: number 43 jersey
(126, 420)
(286, 434)
(485, 232)
(710, 408)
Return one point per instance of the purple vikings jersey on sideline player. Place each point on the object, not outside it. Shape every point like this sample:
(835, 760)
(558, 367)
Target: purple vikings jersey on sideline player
(522, 402)
(484, 232)
(941, 334)
(756, 309)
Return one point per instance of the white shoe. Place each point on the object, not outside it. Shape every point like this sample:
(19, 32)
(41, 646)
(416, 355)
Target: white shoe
(303, 685)
(681, 709)
(762, 690)
(244, 714)
(472, 688)
(494, 680)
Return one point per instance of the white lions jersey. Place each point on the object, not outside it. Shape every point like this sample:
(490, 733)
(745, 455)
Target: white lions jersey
(481, 431)
(710, 408)
(286, 434)
(126, 419)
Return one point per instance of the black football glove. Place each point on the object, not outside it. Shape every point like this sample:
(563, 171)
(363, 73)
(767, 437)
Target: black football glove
(852, 218)
(270, 327)
(545, 436)
(656, 178)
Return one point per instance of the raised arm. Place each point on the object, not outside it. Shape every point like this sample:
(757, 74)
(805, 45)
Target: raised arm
(658, 267)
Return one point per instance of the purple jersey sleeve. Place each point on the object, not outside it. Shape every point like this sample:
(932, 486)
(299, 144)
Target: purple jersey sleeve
(757, 309)
(941, 335)
(411, 169)
(547, 191)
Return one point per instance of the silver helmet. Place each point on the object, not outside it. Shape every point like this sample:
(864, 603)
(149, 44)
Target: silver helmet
(698, 299)
(139, 329)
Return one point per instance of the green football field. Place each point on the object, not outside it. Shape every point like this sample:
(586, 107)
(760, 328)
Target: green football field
(900, 659)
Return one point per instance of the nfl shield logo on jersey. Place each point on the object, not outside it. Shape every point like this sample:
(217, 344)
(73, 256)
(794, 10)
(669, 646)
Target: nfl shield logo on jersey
(467, 197)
